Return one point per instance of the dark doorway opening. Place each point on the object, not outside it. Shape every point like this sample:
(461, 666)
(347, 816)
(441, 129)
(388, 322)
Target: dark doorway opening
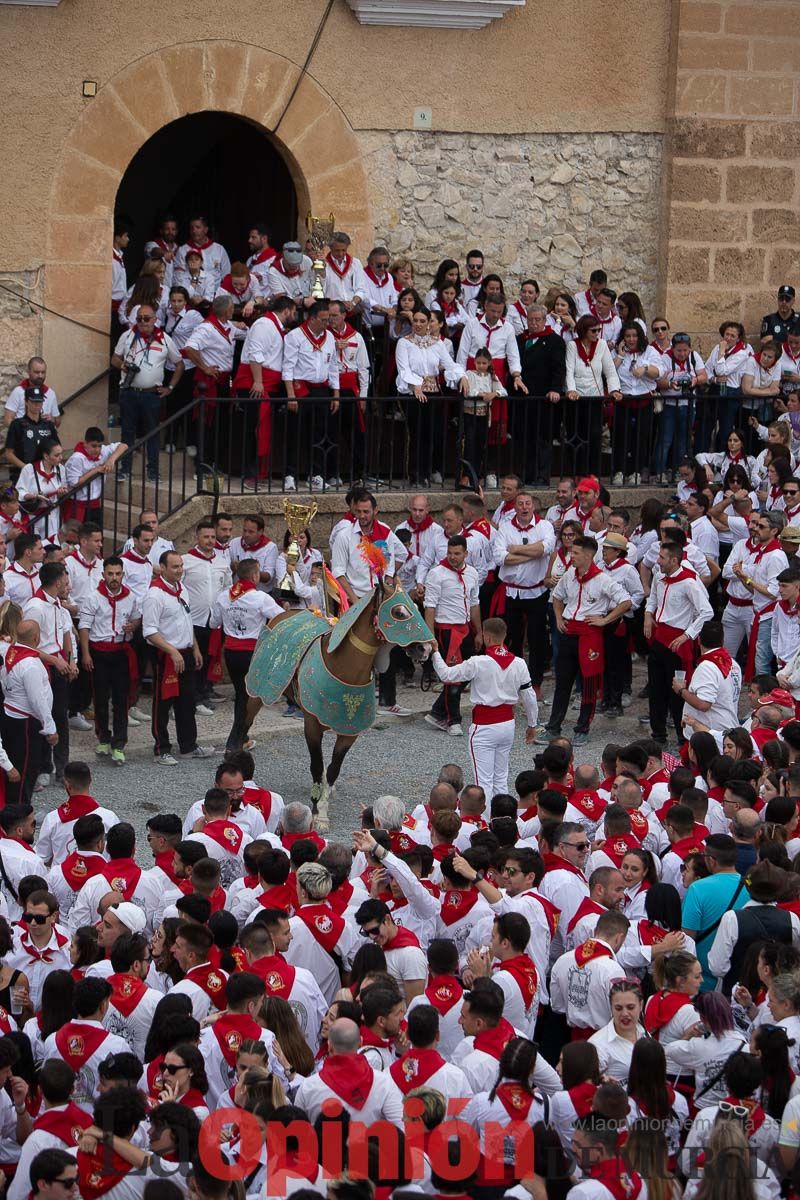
(213, 163)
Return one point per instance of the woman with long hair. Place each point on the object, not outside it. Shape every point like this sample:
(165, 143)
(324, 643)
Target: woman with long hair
(276, 1014)
(630, 310)
(639, 873)
(735, 455)
(420, 360)
(670, 1013)
(706, 1047)
(40, 486)
(590, 376)
(408, 302)
(148, 289)
(84, 950)
(58, 990)
(645, 1152)
(770, 493)
(651, 513)
(615, 1041)
(560, 562)
(692, 480)
(662, 920)
(736, 743)
(773, 1046)
(579, 1068)
(639, 368)
(702, 750)
(164, 970)
(562, 315)
(652, 1097)
(448, 272)
(184, 1079)
(513, 1096)
(173, 1005)
(727, 1172)
(744, 1078)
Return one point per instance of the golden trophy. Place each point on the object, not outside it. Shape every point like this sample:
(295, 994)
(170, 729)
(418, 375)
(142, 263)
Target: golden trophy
(298, 519)
(320, 232)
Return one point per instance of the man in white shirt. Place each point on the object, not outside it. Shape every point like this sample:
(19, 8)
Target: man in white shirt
(423, 1065)
(675, 612)
(260, 377)
(614, 553)
(15, 404)
(132, 1004)
(497, 335)
(56, 648)
(224, 840)
(581, 978)
(203, 983)
(785, 633)
(68, 874)
(522, 551)
(18, 825)
(21, 577)
(322, 941)
(255, 544)
(204, 576)
(512, 969)
(344, 275)
(262, 254)
(380, 291)
(712, 696)
(311, 378)
(566, 505)
(436, 548)
(701, 530)
(167, 626)
(40, 947)
(265, 940)
(347, 1078)
(83, 1043)
(137, 569)
(585, 600)
(108, 618)
(290, 275)
(759, 573)
(141, 355)
(498, 680)
(453, 615)
(215, 257)
(606, 313)
(211, 348)
(149, 518)
(28, 726)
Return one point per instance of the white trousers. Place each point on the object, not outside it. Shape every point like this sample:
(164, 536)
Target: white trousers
(490, 750)
(736, 623)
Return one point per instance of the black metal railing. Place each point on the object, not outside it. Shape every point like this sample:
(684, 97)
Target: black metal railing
(84, 388)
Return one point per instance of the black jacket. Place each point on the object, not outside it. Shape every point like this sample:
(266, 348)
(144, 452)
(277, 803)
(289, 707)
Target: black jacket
(544, 362)
(24, 437)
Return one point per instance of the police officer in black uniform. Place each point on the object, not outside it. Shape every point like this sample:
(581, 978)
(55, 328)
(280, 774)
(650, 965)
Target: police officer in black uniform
(775, 325)
(25, 433)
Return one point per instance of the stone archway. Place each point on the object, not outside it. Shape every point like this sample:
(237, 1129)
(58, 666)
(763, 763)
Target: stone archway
(315, 139)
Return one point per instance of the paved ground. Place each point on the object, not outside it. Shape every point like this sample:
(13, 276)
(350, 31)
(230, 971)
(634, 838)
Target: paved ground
(399, 755)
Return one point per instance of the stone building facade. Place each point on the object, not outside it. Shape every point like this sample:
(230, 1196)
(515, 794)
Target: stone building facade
(660, 143)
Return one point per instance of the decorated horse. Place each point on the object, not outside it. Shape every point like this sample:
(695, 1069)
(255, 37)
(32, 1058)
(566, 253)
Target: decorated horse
(327, 671)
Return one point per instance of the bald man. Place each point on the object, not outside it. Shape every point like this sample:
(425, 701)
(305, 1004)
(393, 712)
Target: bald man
(348, 1079)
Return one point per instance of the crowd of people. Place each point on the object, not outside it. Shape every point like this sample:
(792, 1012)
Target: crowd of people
(485, 382)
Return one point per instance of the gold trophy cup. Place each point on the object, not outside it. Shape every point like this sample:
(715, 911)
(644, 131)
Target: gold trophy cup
(298, 519)
(320, 231)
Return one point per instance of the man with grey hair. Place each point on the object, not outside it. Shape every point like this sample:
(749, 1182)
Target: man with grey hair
(564, 883)
(348, 1079)
(290, 275)
(453, 774)
(344, 275)
(322, 941)
(296, 818)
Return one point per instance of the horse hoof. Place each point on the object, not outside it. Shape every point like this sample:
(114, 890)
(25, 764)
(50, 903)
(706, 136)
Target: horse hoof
(317, 794)
(321, 822)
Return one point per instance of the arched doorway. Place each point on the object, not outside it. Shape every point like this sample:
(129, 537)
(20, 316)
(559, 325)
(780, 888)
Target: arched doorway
(214, 163)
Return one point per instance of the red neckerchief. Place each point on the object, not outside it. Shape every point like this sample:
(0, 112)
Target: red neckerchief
(340, 897)
(241, 588)
(231, 1030)
(490, 329)
(458, 904)
(76, 806)
(756, 1114)
(76, 1042)
(334, 266)
(46, 955)
(661, 1008)
(200, 246)
(215, 323)
(98, 1173)
(415, 1068)
(218, 899)
(113, 599)
(481, 525)
(565, 558)
(524, 528)
(650, 934)
(459, 571)
(521, 967)
(122, 874)
(76, 554)
(196, 552)
(400, 842)
(278, 975)
(229, 286)
(551, 912)
(504, 658)
(227, 834)
(686, 846)
(791, 610)
(588, 803)
(402, 939)
(379, 283)
(494, 1041)
(158, 582)
(67, 1123)
(280, 895)
(583, 355)
(443, 992)
(368, 1038)
(735, 350)
(194, 1098)
(586, 908)
(654, 344)
(515, 1099)
(209, 979)
(290, 272)
(721, 660)
(543, 333)
(132, 556)
(611, 1173)
(417, 528)
(46, 476)
(350, 1076)
(618, 846)
(554, 862)
(263, 256)
(289, 839)
(582, 1097)
(78, 867)
(765, 548)
(322, 923)
(317, 341)
(589, 950)
(166, 862)
(126, 991)
(153, 337)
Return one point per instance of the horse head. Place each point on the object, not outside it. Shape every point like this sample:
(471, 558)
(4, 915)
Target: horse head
(399, 620)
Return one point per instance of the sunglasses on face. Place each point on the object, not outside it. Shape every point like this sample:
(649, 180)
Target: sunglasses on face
(70, 1182)
(659, 329)
(173, 1068)
(578, 845)
(34, 918)
(371, 933)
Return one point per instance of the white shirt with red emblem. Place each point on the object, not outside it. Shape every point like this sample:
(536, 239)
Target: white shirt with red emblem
(220, 1075)
(147, 895)
(384, 1102)
(304, 998)
(200, 998)
(296, 286)
(60, 887)
(305, 951)
(230, 860)
(133, 1025)
(458, 930)
(582, 991)
(55, 839)
(86, 1081)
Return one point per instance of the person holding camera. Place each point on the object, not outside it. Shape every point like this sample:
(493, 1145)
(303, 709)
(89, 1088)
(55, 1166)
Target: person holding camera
(684, 372)
(142, 355)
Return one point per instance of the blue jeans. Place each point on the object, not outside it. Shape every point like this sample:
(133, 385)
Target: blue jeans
(764, 655)
(674, 434)
(139, 407)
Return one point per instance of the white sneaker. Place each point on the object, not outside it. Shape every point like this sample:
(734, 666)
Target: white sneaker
(633, 480)
(132, 722)
(289, 484)
(436, 477)
(394, 710)
(491, 481)
(42, 781)
(80, 723)
(166, 760)
(202, 710)
(200, 752)
(139, 715)
(430, 719)
(334, 481)
(191, 451)
(617, 479)
(170, 448)
(455, 731)
(627, 699)
(316, 483)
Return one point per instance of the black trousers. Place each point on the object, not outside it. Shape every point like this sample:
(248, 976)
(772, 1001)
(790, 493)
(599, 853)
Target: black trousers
(615, 638)
(447, 706)
(661, 667)
(202, 635)
(529, 617)
(145, 657)
(631, 437)
(312, 435)
(28, 751)
(238, 664)
(58, 755)
(80, 689)
(567, 671)
(387, 680)
(182, 704)
(110, 679)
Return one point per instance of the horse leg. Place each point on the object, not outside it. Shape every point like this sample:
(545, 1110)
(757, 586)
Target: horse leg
(254, 706)
(343, 744)
(313, 735)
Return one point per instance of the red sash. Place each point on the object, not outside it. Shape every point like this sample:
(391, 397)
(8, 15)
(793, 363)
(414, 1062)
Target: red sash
(261, 798)
(443, 992)
(721, 660)
(126, 992)
(98, 1173)
(415, 1068)
(340, 897)
(611, 1173)
(225, 833)
(281, 895)
(650, 934)
(522, 968)
(590, 950)
(458, 904)
(211, 980)
(77, 1042)
(231, 1030)
(278, 975)
(123, 875)
(166, 862)
(582, 1098)
(76, 806)
(551, 912)
(350, 1076)
(661, 1008)
(515, 1098)
(494, 1041)
(77, 868)
(323, 924)
(66, 1123)
(688, 845)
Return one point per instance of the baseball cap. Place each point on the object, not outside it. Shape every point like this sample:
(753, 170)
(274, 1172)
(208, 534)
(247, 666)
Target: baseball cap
(292, 254)
(777, 696)
(786, 292)
(617, 540)
(131, 916)
(35, 393)
(590, 483)
(790, 533)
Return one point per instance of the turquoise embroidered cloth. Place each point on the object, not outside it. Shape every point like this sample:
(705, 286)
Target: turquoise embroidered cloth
(343, 707)
(278, 653)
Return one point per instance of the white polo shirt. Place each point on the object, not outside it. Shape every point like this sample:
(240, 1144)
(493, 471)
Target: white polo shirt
(166, 611)
(151, 355)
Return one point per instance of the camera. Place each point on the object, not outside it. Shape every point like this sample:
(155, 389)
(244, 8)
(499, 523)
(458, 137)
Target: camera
(131, 371)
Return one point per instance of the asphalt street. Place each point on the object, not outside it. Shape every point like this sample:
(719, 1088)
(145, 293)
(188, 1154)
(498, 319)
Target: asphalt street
(399, 755)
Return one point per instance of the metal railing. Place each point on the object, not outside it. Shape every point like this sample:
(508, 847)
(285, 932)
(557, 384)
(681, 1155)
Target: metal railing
(85, 387)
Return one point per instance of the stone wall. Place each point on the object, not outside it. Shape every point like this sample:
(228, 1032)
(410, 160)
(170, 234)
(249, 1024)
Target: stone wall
(553, 206)
(734, 141)
(20, 328)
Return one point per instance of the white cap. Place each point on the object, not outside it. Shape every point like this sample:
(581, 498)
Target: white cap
(131, 916)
